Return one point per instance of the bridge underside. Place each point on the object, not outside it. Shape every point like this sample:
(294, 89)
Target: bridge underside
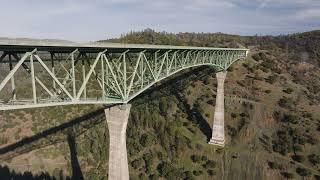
(42, 75)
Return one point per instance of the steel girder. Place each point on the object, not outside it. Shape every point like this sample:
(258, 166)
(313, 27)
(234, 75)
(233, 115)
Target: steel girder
(81, 77)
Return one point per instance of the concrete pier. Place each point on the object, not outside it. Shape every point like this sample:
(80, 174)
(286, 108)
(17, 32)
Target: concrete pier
(218, 122)
(117, 119)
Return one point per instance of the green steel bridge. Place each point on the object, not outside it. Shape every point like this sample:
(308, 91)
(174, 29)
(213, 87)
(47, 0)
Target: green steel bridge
(43, 73)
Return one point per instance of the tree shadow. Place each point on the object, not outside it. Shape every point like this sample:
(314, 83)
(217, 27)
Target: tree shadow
(65, 132)
(7, 174)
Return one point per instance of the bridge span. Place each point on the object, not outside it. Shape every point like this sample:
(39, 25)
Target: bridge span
(42, 73)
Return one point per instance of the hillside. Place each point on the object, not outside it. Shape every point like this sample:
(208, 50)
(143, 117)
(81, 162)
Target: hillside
(272, 120)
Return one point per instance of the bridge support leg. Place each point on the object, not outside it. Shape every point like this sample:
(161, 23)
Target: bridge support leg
(218, 122)
(117, 119)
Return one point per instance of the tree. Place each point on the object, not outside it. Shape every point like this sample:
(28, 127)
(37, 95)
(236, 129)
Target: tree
(137, 163)
(168, 171)
(147, 139)
(148, 159)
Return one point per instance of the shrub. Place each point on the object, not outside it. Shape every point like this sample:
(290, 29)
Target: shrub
(233, 115)
(188, 175)
(267, 91)
(211, 102)
(282, 143)
(303, 171)
(271, 79)
(204, 158)
(290, 118)
(148, 159)
(199, 146)
(3, 140)
(153, 177)
(231, 131)
(196, 158)
(165, 168)
(211, 172)
(256, 57)
(274, 165)
(297, 148)
(287, 175)
(312, 140)
(197, 173)
(209, 164)
(267, 64)
(298, 158)
(314, 159)
(288, 90)
(286, 103)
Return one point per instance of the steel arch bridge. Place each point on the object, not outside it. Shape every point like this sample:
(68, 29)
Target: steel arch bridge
(42, 73)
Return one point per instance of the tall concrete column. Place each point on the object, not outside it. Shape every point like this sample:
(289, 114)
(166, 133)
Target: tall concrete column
(218, 122)
(117, 119)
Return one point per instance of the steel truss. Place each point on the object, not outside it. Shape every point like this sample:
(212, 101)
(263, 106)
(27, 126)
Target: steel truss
(82, 77)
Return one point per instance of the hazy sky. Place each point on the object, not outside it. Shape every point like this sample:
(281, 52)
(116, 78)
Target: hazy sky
(89, 20)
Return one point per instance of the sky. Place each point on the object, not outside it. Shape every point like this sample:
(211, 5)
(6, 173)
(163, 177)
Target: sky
(90, 20)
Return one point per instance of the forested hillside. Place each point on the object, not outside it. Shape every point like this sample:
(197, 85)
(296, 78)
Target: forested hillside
(272, 120)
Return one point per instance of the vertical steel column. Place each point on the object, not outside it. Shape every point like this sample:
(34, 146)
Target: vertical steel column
(124, 72)
(13, 86)
(34, 91)
(102, 79)
(73, 75)
(142, 72)
(53, 72)
(83, 79)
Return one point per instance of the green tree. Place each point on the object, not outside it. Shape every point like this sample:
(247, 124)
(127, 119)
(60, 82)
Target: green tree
(147, 139)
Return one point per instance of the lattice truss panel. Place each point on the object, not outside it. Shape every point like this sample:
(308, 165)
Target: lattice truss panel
(39, 78)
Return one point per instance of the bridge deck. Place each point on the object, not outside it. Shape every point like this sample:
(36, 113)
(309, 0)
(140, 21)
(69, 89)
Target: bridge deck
(49, 45)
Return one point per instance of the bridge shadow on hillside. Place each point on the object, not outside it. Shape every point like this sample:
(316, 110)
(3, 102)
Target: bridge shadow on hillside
(194, 115)
(61, 133)
(175, 85)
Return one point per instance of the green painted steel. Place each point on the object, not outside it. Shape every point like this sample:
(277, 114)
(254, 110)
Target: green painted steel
(96, 74)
